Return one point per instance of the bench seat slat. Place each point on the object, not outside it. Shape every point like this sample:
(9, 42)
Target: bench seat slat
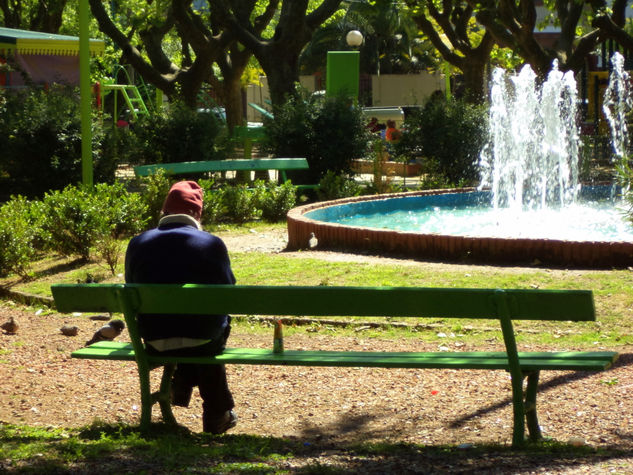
(588, 361)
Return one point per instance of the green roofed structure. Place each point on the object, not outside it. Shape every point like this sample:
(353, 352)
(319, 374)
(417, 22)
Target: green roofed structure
(43, 57)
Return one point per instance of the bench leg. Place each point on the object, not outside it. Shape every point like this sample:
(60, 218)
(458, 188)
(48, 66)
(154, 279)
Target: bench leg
(518, 412)
(164, 394)
(534, 428)
(146, 397)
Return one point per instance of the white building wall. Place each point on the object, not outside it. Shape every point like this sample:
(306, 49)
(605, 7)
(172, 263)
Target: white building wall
(388, 90)
(404, 90)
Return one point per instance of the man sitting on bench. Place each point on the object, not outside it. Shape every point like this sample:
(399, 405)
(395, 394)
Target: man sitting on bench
(178, 251)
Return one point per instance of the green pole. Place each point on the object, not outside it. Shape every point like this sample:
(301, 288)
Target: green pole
(447, 79)
(85, 93)
(159, 98)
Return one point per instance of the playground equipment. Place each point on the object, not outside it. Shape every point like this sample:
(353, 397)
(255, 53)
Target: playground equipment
(131, 96)
(129, 92)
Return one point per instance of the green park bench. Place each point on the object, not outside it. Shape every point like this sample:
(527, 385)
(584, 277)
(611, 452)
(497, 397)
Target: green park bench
(180, 168)
(505, 306)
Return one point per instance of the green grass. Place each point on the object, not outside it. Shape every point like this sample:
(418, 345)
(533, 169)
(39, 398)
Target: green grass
(118, 448)
(613, 290)
(112, 449)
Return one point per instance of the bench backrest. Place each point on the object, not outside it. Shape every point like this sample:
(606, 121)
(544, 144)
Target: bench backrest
(224, 165)
(514, 304)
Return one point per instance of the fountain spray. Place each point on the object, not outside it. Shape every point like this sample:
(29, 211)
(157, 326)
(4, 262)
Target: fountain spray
(531, 161)
(617, 105)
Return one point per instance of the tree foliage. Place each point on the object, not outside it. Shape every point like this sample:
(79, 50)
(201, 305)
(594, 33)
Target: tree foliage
(392, 43)
(514, 25)
(278, 55)
(35, 15)
(450, 26)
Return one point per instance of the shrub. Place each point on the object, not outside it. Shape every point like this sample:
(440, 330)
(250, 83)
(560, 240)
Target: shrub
(213, 206)
(115, 146)
(276, 200)
(77, 218)
(40, 139)
(179, 134)
(125, 212)
(74, 221)
(154, 189)
(333, 187)
(17, 236)
(450, 135)
(327, 131)
(36, 214)
(240, 203)
(109, 249)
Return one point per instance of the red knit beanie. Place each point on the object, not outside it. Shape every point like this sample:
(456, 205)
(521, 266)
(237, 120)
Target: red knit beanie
(184, 197)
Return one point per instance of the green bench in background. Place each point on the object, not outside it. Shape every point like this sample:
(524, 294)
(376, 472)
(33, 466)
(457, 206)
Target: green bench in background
(179, 168)
(504, 306)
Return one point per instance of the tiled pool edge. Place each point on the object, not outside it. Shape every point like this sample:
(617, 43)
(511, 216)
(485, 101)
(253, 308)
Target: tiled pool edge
(590, 254)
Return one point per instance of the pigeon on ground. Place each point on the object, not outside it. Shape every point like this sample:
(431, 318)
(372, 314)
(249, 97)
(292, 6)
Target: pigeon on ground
(69, 330)
(313, 241)
(108, 332)
(10, 326)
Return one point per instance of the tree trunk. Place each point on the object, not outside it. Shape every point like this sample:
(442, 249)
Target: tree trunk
(282, 73)
(474, 83)
(232, 92)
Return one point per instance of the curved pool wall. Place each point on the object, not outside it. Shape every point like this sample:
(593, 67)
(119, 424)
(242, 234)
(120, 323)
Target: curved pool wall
(330, 235)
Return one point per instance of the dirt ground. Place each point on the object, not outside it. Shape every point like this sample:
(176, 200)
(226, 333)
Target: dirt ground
(41, 385)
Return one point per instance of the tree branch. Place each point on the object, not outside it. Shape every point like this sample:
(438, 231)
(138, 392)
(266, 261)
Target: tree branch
(163, 81)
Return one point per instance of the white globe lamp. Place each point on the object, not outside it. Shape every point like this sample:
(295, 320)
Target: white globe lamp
(354, 38)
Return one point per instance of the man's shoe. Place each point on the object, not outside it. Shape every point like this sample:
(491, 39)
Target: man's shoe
(219, 425)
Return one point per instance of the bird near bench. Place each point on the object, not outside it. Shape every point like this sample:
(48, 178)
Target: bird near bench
(10, 326)
(108, 332)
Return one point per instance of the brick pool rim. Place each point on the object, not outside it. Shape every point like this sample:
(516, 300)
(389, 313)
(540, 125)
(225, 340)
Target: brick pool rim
(463, 249)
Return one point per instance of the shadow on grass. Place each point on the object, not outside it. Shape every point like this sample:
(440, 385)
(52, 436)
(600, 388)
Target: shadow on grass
(107, 448)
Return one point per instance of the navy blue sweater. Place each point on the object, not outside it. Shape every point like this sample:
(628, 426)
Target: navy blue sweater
(178, 253)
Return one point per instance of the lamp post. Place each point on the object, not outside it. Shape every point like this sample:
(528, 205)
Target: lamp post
(343, 68)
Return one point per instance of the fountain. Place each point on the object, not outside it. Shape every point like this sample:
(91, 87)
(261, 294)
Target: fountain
(532, 158)
(529, 208)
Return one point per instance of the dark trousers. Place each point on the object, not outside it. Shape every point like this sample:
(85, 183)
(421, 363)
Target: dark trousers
(210, 378)
(212, 383)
